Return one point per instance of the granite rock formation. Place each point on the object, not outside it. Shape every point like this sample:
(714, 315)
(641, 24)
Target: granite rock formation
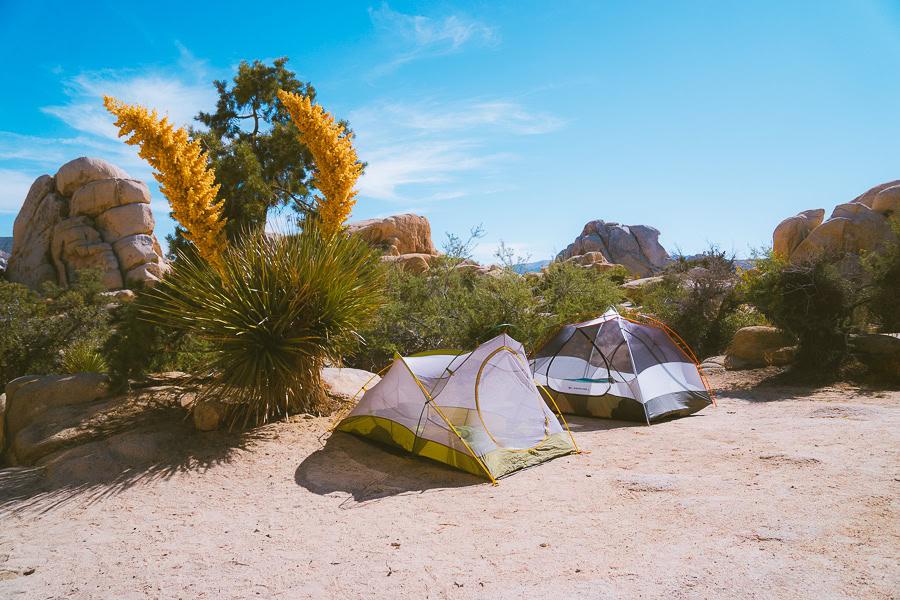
(860, 225)
(636, 247)
(91, 214)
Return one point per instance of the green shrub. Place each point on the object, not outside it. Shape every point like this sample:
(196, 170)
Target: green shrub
(569, 291)
(882, 294)
(278, 308)
(83, 357)
(137, 346)
(35, 328)
(811, 301)
(454, 308)
(698, 300)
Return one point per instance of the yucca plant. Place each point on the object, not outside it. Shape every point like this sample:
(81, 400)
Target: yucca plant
(83, 357)
(273, 310)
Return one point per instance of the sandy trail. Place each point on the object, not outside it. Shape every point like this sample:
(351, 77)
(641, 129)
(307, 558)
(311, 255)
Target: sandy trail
(780, 492)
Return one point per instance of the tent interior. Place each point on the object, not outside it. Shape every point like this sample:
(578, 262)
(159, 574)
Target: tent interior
(617, 367)
(478, 411)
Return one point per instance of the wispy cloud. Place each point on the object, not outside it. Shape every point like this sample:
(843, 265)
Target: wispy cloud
(435, 142)
(176, 92)
(426, 36)
(14, 189)
(179, 91)
(486, 251)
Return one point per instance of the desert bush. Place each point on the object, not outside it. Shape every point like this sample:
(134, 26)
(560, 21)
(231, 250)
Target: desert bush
(137, 346)
(441, 308)
(568, 291)
(882, 294)
(83, 357)
(272, 313)
(700, 301)
(454, 308)
(35, 328)
(811, 301)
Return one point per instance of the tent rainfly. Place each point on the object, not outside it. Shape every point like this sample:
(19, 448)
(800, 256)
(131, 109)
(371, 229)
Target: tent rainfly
(617, 367)
(480, 411)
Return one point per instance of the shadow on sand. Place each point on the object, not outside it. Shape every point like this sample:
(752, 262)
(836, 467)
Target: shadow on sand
(579, 424)
(368, 472)
(772, 385)
(157, 443)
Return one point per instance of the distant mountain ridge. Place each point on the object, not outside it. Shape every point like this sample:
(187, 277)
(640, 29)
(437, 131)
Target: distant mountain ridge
(530, 267)
(5, 251)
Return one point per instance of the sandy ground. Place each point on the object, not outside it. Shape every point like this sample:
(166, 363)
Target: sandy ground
(780, 492)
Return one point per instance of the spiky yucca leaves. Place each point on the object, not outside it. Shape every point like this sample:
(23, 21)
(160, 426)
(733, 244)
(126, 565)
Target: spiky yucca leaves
(337, 167)
(83, 357)
(276, 308)
(181, 170)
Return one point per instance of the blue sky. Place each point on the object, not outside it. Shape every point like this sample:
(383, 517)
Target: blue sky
(711, 121)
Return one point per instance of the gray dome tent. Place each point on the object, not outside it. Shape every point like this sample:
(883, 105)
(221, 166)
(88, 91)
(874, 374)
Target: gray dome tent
(619, 367)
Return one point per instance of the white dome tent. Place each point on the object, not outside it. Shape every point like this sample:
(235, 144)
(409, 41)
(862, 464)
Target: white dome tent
(479, 411)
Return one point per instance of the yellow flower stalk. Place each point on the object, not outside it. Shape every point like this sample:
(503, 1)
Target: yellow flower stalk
(335, 159)
(184, 176)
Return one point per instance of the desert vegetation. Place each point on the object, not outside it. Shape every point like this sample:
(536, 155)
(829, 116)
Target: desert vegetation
(257, 315)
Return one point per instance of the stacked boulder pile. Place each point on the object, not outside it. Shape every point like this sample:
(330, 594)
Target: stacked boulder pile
(405, 241)
(91, 214)
(602, 245)
(863, 224)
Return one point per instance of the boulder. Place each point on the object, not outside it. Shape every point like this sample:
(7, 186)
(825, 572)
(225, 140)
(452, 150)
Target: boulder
(414, 263)
(208, 416)
(635, 247)
(121, 295)
(135, 250)
(759, 346)
(148, 273)
(123, 221)
(29, 397)
(648, 240)
(852, 227)
(62, 426)
(794, 230)
(343, 384)
(77, 245)
(594, 260)
(100, 459)
(887, 201)
(40, 188)
(80, 171)
(400, 234)
(91, 216)
(713, 364)
(634, 287)
(31, 263)
(97, 197)
(881, 352)
(868, 197)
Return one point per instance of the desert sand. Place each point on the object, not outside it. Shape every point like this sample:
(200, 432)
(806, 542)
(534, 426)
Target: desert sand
(780, 492)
